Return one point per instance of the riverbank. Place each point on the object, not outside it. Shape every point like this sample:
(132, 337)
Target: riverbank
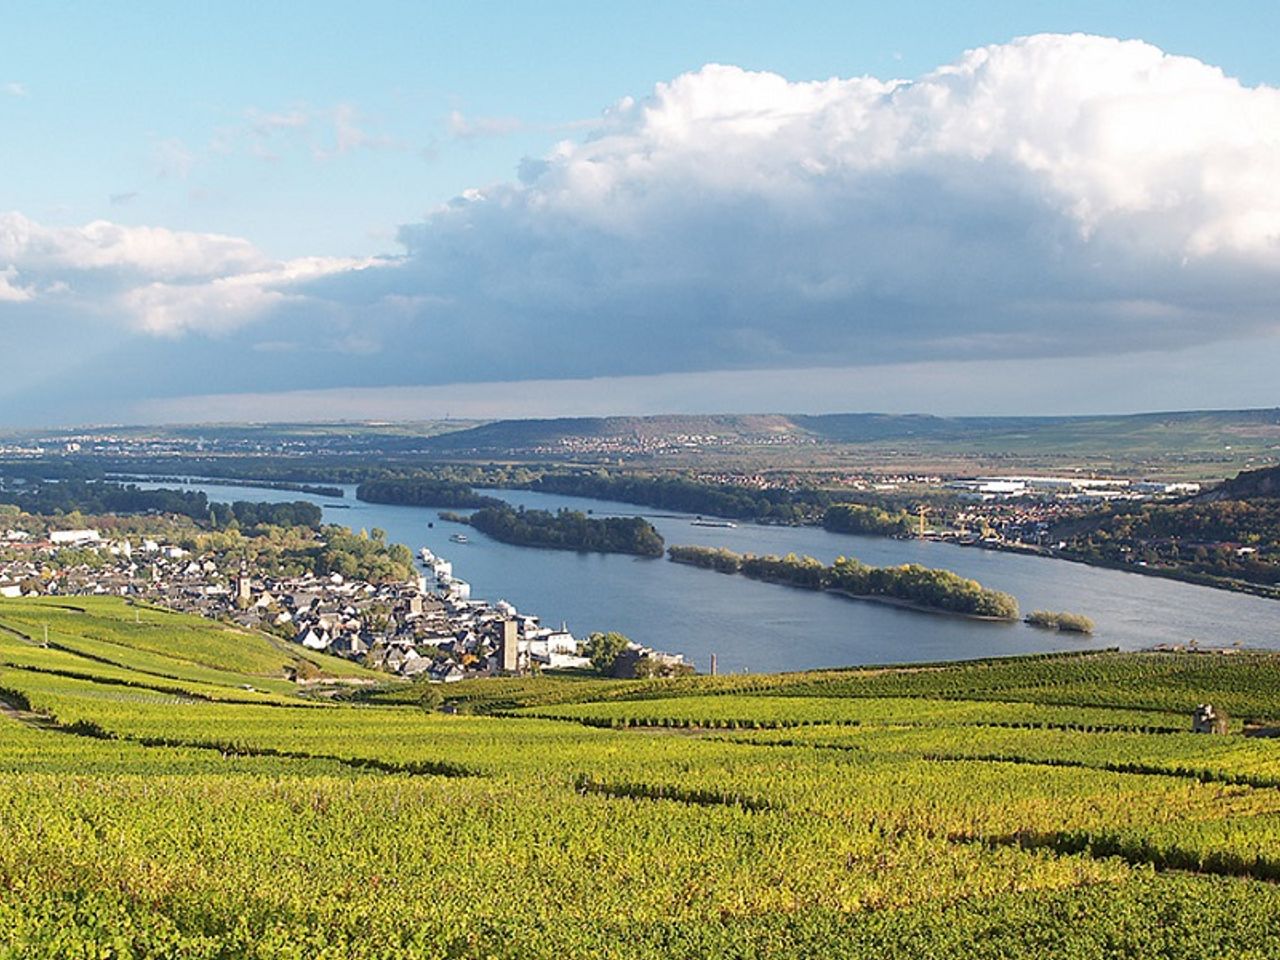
(313, 490)
(918, 607)
(1165, 573)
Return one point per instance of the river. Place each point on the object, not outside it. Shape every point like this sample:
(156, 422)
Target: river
(763, 627)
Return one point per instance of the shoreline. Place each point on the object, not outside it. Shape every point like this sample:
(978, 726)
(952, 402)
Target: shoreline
(1260, 590)
(328, 491)
(920, 607)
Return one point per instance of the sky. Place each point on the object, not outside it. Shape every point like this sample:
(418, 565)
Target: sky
(413, 210)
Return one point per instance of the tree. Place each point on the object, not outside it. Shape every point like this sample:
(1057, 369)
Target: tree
(431, 698)
(603, 650)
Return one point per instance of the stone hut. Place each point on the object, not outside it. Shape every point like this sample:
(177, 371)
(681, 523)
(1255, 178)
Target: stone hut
(1208, 720)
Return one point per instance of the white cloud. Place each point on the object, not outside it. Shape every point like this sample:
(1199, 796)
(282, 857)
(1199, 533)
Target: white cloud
(13, 89)
(225, 303)
(268, 124)
(154, 280)
(348, 134)
(144, 251)
(470, 128)
(275, 135)
(1100, 131)
(10, 290)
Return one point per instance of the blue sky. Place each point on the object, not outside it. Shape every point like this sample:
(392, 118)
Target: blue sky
(323, 151)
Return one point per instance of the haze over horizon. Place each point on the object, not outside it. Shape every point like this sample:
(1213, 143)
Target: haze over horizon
(395, 213)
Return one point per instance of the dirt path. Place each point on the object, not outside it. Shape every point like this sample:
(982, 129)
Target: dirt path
(29, 717)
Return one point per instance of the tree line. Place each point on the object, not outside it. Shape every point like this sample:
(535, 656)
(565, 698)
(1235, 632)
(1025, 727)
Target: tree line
(245, 513)
(104, 497)
(735, 502)
(1230, 539)
(567, 530)
(911, 583)
(423, 492)
(98, 497)
(861, 518)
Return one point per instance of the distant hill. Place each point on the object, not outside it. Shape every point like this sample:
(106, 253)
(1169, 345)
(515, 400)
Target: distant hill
(1199, 430)
(1204, 437)
(1261, 484)
(523, 434)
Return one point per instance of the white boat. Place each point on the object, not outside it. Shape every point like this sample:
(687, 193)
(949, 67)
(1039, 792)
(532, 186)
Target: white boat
(727, 524)
(459, 538)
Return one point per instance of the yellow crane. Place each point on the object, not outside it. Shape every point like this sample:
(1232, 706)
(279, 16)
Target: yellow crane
(922, 511)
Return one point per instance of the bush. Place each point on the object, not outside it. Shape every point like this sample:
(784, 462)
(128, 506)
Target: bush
(1066, 622)
(431, 698)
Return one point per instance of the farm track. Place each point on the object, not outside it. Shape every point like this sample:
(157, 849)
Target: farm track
(28, 717)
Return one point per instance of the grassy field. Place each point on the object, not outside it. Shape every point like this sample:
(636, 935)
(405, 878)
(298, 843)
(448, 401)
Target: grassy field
(152, 806)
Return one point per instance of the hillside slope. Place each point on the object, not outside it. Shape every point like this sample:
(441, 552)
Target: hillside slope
(1029, 807)
(142, 646)
(1263, 484)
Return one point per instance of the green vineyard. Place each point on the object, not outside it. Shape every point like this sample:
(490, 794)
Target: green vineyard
(170, 787)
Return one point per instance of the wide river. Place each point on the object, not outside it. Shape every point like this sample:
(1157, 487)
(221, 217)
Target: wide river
(763, 627)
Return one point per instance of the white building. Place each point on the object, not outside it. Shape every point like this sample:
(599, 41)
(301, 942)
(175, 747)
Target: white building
(556, 649)
(75, 538)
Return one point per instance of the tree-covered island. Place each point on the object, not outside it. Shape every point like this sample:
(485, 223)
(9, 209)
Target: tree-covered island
(419, 491)
(907, 585)
(565, 530)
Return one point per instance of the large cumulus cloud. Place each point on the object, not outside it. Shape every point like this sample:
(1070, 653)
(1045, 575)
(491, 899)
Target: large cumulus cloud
(1056, 195)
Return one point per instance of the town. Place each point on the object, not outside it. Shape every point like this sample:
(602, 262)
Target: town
(426, 628)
